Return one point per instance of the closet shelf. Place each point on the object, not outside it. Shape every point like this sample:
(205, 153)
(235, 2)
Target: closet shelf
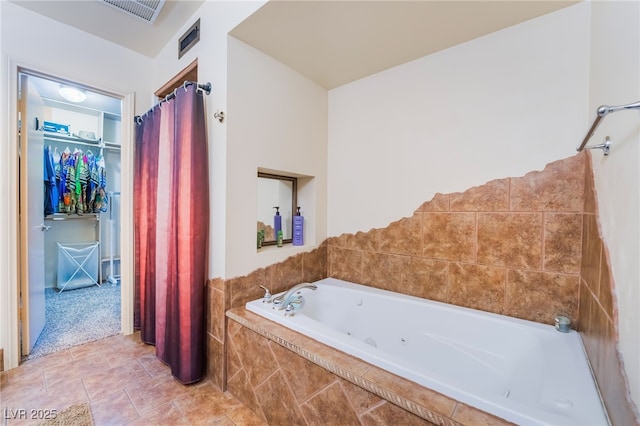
(98, 143)
(73, 216)
(68, 138)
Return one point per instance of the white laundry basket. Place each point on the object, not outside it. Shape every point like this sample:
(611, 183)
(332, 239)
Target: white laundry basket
(78, 265)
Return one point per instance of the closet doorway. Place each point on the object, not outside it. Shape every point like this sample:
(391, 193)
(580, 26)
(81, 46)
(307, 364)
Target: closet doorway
(70, 213)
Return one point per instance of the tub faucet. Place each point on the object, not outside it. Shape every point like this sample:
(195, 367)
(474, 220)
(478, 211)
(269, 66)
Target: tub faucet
(282, 301)
(267, 295)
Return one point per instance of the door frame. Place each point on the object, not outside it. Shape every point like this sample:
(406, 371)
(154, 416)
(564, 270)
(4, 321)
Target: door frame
(33, 312)
(11, 245)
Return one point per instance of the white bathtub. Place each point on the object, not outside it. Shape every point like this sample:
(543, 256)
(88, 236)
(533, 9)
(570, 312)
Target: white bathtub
(525, 372)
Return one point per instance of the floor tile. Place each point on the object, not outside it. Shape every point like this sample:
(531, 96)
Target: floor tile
(123, 382)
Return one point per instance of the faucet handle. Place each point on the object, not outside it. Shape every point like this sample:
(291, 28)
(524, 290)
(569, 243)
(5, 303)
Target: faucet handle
(267, 295)
(290, 310)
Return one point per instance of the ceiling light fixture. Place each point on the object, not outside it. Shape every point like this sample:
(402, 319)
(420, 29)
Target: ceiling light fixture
(72, 94)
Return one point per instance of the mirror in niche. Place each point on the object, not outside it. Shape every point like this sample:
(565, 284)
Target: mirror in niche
(276, 191)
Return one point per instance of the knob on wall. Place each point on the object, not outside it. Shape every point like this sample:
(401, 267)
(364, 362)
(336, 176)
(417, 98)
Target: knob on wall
(219, 115)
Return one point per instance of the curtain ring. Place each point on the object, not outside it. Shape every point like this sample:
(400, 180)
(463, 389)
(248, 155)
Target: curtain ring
(186, 83)
(175, 92)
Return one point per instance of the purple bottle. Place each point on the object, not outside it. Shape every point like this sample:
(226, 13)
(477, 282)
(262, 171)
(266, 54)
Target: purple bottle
(277, 222)
(298, 229)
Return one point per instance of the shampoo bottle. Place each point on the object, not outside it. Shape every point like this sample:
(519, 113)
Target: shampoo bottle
(298, 229)
(277, 222)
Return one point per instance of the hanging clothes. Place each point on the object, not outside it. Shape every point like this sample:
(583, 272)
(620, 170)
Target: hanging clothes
(100, 202)
(171, 232)
(50, 190)
(79, 182)
(62, 180)
(55, 199)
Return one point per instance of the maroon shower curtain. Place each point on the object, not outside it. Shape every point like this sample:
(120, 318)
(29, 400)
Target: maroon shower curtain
(171, 232)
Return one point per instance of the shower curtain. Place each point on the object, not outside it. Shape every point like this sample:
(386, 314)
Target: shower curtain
(171, 210)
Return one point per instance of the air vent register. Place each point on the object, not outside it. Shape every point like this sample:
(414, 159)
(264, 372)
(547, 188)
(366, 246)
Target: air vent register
(147, 10)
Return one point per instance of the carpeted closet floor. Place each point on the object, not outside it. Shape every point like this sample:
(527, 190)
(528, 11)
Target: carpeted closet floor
(124, 384)
(74, 317)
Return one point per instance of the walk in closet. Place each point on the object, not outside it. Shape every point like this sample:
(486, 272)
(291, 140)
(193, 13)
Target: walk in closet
(82, 187)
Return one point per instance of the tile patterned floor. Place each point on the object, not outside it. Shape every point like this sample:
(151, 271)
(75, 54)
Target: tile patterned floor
(124, 383)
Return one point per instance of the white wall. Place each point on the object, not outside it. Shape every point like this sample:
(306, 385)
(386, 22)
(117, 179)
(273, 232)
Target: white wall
(45, 45)
(615, 80)
(277, 121)
(41, 44)
(7, 271)
(217, 18)
(498, 106)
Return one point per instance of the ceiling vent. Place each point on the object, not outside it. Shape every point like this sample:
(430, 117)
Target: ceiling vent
(147, 10)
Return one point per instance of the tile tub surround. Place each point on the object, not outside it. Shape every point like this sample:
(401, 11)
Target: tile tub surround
(598, 316)
(231, 293)
(513, 246)
(289, 378)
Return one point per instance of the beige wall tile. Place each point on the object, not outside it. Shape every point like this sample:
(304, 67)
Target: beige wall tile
(278, 403)
(365, 241)
(490, 197)
(255, 355)
(238, 385)
(477, 287)
(428, 398)
(470, 416)
(402, 237)
(540, 296)
(439, 203)
(215, 313)
(389, 414)
(427, 278)
(360, 399)
(245, 289)
(562, 242)
(449, 236)
(216, 362)
(329, 407)
(510, 239)
(302, 375)
(591, 253)
(314, 264)
(345, 264)
(589, 192)
(285, 275)
(559, 187)
(605, 286)
(385, 271)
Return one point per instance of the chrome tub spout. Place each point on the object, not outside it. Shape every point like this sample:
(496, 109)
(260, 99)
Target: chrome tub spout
(282, 301)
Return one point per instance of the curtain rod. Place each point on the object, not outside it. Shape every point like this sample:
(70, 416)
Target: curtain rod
(205, 87)
(602, 111)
